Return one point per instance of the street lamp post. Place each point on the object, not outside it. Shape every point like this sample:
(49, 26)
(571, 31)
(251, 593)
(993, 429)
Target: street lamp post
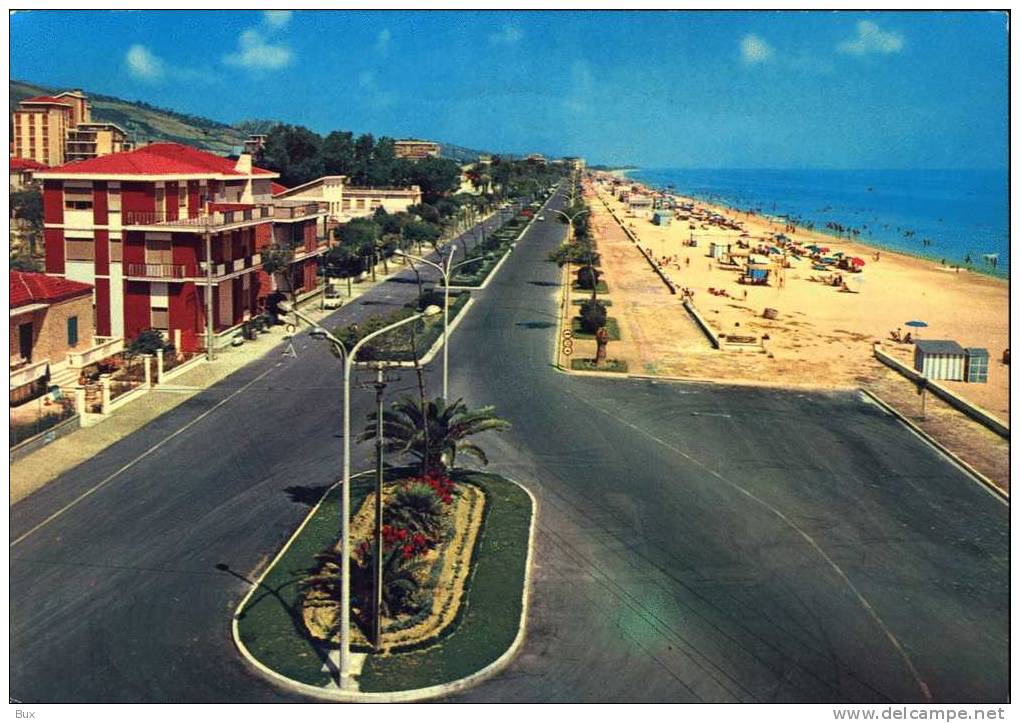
(348, 358)
(445, 272)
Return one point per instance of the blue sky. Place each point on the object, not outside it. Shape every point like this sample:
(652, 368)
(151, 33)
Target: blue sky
(711, 89)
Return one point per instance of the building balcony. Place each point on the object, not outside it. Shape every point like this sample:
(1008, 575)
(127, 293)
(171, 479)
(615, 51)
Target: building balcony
(160, 271)
(215, 221)
(290, 211)
(105, 347)
(24, 372)
(198, 273)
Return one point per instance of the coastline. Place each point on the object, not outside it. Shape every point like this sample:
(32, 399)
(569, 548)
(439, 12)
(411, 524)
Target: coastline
(816, 333)
(820, 233)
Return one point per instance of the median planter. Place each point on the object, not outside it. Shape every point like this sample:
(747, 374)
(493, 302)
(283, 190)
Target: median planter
(474, 620)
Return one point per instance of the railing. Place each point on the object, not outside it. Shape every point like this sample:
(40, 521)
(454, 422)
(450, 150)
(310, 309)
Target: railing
(26, 372)
(160, 271)
(101, 351)
(283, 212)
(211, 220)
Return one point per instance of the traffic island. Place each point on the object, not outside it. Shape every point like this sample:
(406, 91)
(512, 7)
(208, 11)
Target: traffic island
(468, 627)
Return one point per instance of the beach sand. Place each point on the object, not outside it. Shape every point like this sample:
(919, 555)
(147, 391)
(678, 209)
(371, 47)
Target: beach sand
(822, 337)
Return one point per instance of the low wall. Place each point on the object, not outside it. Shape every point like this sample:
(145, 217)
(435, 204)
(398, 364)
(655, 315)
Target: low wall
(709, 331)
(45, 437)
(652, 262)
(949, 397)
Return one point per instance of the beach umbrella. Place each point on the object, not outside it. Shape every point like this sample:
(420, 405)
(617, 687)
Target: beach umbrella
(857, 261)
(916, 324)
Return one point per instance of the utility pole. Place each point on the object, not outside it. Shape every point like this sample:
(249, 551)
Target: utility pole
(208, 297)
(377, 573)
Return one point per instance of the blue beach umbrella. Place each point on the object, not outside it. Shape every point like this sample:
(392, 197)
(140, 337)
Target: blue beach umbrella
(916, 324)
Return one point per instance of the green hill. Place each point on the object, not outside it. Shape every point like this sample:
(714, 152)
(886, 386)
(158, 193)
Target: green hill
(145, 123)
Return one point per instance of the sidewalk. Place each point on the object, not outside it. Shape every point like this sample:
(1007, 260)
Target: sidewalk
(50, 461)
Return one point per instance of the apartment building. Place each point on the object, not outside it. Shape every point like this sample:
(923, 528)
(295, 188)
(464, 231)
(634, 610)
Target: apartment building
(40, 126)
(54, 130)
(154, 228)
(415, 149)
(346, 202)
(91, 140)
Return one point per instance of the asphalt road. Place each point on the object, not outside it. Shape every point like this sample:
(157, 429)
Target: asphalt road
(695, 542)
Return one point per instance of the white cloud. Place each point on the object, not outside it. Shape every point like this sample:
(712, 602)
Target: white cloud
(872, 39)
(582, 86)
(375, 94)
(509, 35)
(277, 18)
(143, 65)
(256, 53)
(382, 41)
(754, 50)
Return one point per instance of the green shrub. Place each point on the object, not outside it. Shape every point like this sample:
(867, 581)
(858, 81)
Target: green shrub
(416, 508)
(593, 316)
(587, 277)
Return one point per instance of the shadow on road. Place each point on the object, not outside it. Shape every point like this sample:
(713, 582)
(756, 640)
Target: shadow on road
(307, 495)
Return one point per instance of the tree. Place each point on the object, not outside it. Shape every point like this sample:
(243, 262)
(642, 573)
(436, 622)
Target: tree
(362, 236)
(342, 261)
(434, 432)
(295, 153)
(338, 153)
(420, 232)
(276, 259)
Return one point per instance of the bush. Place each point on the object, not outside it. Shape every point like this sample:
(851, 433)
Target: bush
(587, 277)
(148, 341)
(417, 508)
(593, 316)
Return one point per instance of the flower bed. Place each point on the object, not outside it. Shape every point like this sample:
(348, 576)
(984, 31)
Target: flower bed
(438, 567)
(270, 627)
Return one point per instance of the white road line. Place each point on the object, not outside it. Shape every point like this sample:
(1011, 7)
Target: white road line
(136, 460)
(869, 609)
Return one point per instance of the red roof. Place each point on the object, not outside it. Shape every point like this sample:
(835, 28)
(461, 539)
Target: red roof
(46, 99)
(28, 288)
(25, 164)
(277, 188)
(157, 159)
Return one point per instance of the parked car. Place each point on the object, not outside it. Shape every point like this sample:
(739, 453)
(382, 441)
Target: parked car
(333, 298)
(541, 218)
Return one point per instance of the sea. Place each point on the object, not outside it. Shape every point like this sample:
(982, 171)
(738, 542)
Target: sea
(959, 216)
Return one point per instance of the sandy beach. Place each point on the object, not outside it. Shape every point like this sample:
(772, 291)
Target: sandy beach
(822, 335)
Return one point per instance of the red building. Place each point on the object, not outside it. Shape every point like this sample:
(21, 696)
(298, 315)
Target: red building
(154, 228)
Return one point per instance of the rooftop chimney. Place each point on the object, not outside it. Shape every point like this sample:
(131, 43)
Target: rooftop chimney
(243, 163)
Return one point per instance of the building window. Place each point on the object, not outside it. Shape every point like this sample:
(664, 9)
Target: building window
(160, 318)
(182, 201)
(158, 252)
(116, 249)
(80, 249)
(77, 199)
(72, 331)
(113, 196)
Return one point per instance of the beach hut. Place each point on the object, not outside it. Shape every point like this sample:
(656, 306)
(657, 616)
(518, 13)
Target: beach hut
(977, 365)
(662, 217)
(940, 359)
(717, 250)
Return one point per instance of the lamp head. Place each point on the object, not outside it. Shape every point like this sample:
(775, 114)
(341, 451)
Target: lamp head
(317, 332)
(431, 310)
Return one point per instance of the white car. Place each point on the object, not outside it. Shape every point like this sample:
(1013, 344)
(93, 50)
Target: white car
(541, 218)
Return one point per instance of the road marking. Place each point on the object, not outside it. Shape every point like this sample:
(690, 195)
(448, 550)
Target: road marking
(136, 460)
(806, 536)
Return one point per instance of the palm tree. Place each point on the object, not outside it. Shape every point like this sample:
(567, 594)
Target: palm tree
(434, 431)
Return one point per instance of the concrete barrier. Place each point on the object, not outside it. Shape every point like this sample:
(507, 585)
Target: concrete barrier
(973, 411)
(709, 331)
(45, 437)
